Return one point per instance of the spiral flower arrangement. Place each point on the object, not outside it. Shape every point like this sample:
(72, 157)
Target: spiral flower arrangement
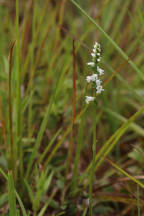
(97, 72)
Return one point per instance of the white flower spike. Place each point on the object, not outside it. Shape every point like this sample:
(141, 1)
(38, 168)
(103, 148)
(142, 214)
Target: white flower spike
(95, 77)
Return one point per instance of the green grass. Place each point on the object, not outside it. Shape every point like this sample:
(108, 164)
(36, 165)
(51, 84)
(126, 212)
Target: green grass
(59, 156)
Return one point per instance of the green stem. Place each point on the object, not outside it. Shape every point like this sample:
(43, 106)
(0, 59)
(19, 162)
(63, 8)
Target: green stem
(18, 145)
(30, 113)
(12, 159)
(93, 163)
(77, 157)
(78, 149)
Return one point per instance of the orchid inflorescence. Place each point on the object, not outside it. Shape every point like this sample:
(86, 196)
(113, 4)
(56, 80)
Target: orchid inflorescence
(95, 77)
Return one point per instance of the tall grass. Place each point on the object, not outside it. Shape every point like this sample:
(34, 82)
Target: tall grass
(47, 162)
(18, 141)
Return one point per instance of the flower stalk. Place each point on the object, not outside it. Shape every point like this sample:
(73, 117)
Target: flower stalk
(95, 78)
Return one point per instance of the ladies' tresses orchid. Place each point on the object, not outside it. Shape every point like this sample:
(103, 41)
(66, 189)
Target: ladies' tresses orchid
(97, 71)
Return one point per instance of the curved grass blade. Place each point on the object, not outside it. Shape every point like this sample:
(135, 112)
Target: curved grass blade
(125, 173)
(122, 53)
(109, 145)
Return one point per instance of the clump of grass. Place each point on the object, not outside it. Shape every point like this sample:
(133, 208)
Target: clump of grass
(49, 162)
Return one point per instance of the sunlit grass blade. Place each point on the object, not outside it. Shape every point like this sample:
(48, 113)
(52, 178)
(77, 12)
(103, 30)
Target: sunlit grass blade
(21, 204)
(134, 126)
(126, 173)
(109, 145)
(30, 192)
(8, 178)
(44, 208)
(11, 195)
(121, 52)
(112, 141)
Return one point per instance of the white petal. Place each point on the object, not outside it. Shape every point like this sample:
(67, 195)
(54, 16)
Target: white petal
(94, 77)
(100, 71)
(95, 45)
(93, 54)
(98, 82)
(99, 89)
(91, 64)
(88, 79)
(88, 99)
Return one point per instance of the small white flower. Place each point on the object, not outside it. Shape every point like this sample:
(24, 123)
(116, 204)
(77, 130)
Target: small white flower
(96, 45)
(91, 64)
(98, 59)
(88, 79)
(93, 55)
(99, 89)
(100, 71)
(89, 99)
(98, 54)
(98, 82)
(93, 78)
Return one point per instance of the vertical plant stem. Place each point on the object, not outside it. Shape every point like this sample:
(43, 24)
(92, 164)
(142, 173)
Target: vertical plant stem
(12, 159)
(93, 163)
(11, 196)
(32, 64)
(18, 144)
(77, 157)
(60, 22)
(78, 149)
(71, 147)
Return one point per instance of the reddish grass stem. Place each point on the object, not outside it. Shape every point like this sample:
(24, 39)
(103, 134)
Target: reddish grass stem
(12, 161)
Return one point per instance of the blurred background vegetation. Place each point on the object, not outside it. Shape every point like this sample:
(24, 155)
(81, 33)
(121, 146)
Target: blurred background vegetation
(51, 124)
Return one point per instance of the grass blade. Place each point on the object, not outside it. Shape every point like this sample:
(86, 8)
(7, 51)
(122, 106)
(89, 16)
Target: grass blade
(12, 159)
(11, 195)
(122, 53)
(18, 144)
(109, 145)
(126, 174)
